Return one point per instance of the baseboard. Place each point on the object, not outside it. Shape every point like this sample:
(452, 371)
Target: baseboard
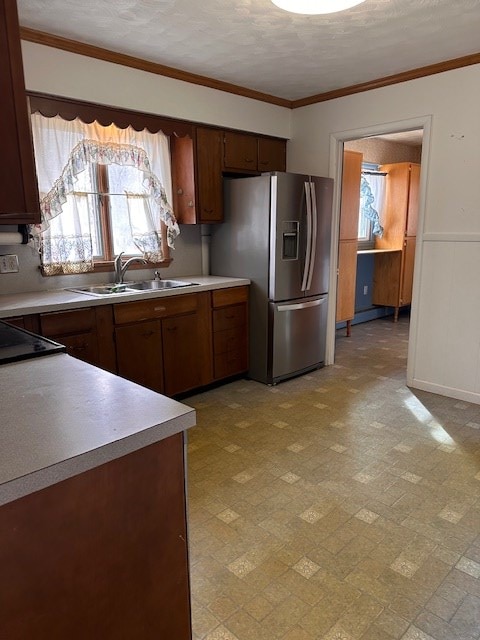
(442, 390)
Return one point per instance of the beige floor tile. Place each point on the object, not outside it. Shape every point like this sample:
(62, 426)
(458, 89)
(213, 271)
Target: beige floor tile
(337, 505)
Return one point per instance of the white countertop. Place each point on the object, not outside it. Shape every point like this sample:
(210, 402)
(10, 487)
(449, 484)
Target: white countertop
(12, 304)
(60, 417)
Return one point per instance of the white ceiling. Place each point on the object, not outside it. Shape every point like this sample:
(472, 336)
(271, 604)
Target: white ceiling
(254, 44)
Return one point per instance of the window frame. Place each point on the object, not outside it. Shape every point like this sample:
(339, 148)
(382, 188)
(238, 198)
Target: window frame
(69, 109)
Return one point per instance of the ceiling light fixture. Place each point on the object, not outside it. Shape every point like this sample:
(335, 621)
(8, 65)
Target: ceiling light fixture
(315, 7)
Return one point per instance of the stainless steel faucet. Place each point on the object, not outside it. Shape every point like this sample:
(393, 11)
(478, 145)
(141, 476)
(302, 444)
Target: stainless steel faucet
(121, 267)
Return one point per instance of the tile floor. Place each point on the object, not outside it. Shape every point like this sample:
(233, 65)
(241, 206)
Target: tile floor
(336, 506)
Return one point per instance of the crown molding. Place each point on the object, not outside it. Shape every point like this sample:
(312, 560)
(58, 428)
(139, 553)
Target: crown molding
(397, 78)
(91, 51)
(73, 46)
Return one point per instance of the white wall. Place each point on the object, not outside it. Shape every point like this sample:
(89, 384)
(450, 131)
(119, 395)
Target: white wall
(60, 73)
(444, 353)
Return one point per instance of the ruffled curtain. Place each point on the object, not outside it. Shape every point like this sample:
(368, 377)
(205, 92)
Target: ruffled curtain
(372, 189)
(65, 152)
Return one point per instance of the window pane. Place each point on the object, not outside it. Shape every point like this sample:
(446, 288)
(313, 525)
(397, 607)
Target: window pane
(120, 180)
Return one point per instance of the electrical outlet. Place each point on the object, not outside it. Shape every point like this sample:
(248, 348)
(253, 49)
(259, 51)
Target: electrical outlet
(365, 290)
(9, 263)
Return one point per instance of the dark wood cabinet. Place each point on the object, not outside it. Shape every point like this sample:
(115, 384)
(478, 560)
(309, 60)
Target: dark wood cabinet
(162, 343)
(102, 554)
(208, 154)
(197, 167)
(19, 202)
(87, 333)
(272, 154)
(139, 353)
(230, 331)
(251, 153)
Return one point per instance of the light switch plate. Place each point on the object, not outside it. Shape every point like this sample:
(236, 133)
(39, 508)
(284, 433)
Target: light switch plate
(9, 263)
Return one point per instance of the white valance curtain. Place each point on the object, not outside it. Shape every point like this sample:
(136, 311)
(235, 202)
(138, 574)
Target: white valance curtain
(65, 151)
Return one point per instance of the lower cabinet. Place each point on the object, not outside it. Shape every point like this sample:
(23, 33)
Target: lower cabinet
(230, 331)
(170, 344)
(139, 353)
(87, 334)
(162, 343)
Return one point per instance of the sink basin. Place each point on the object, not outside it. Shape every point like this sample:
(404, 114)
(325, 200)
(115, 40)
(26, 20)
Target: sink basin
(103, 289)
(154, 285)
(131, 287)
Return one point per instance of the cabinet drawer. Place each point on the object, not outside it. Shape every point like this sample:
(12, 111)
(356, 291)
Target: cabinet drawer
(232, 295)
(65, 322)
(229, 317)
(230, 340)
(158, 308)
(229, 363)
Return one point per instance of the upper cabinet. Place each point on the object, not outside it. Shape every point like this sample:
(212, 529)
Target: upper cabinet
(19, 203)
(247, 152)
(198, 165)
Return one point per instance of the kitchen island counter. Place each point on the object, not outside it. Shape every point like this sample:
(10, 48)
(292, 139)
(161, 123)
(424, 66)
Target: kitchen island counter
(93, 524)
(60, 417)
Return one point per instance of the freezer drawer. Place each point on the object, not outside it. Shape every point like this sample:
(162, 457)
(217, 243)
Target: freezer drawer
(298, 336)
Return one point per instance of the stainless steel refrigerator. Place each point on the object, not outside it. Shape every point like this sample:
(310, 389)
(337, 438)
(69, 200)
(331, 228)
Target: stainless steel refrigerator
(277, 233)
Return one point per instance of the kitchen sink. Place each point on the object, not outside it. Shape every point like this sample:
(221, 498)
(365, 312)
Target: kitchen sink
(154, 285)
(132, 287)
(103, 289)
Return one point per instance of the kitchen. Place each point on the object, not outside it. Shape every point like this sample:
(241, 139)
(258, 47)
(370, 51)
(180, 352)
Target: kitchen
(444, 355)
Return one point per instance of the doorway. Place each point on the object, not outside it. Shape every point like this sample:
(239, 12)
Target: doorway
(382, 147)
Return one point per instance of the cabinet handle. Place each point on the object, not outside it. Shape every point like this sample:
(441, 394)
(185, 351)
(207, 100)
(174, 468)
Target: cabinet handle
(80, 347)
(159, 308)
(147, 334)
(248, 159)
(180, 192)
(190, 203)
(171, 329)
(208, 210)
(230, 317)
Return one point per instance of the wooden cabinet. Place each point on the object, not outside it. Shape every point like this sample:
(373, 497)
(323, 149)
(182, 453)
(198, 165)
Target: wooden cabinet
(393, 274)
(102, 554)
(139, 353)
(348, 242)
(164, 343)
(197, 177)
(230, 331)
(250, 153)
(87, 333)
(19, 202)
(197, 166)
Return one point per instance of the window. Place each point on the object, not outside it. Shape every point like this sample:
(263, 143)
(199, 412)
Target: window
(103, 191)
(372, 190)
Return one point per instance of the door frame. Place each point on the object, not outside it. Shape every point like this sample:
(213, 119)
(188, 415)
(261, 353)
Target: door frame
(337, 140)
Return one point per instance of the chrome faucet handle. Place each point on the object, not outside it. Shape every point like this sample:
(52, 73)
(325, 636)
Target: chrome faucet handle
(158, 275)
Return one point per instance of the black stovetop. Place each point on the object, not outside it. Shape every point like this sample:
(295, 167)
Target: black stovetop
(19, 344)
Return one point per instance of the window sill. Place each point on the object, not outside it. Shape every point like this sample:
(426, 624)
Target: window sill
(105, 266)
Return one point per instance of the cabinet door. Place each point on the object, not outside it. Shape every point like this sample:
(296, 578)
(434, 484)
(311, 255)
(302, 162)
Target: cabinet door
(350, 203)
(139, 353)
(76, 329)
(272, 154)
(19, 201)
(240, 151)
(347, 273)
(407, 271)
(209, 175)
(181, 355)
(83, 346)
(183, 180)
(414, 187)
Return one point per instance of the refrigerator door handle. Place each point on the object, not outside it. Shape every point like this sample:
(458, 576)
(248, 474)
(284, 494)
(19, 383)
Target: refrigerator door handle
(313, 243)
(308, 252)
(301, 305)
